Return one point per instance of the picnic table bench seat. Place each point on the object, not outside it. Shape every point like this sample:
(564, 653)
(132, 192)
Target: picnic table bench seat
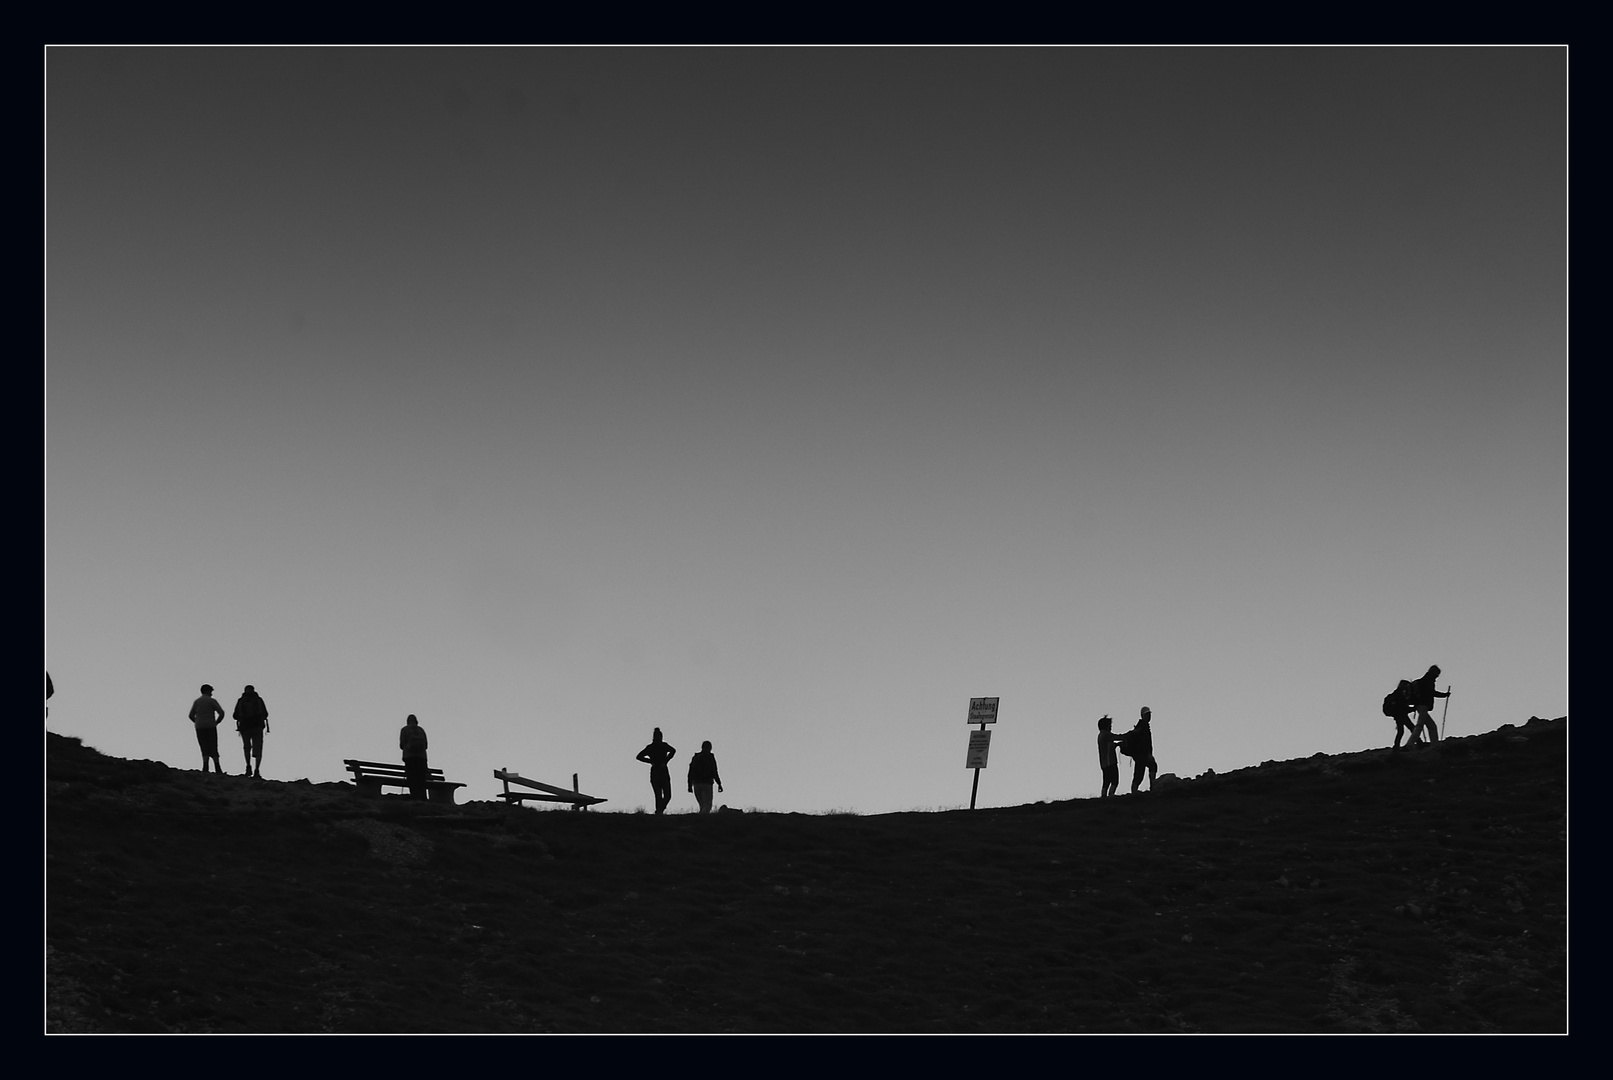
(371, 776)
(543, 792)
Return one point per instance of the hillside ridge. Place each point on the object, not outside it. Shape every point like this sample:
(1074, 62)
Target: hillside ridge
(1371, 891)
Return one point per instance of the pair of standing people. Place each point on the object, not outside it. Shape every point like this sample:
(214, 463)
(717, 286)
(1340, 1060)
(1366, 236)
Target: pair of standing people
(702, 772)
(251, 717)
(1137, 744)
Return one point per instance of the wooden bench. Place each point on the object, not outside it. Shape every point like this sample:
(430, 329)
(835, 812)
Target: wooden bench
(544, 792)
(371, 776)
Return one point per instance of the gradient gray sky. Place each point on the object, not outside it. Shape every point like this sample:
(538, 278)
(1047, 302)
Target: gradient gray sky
(790, 398)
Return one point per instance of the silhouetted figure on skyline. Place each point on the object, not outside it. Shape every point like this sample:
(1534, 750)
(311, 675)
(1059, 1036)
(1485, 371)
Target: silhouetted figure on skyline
(702, 774)
(412, 741)
(251, 717)
(206, 714)
(656, 755)
(1398, 705)
(1422, 696)
(1108, 764)
(1138, 745)
(50, 688)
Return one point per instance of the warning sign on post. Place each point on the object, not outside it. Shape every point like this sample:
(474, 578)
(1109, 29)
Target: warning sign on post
(979, 747)
(982, 710)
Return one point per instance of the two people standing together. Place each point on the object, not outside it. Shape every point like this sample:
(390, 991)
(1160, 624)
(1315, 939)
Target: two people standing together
(1137, 744)
(251, 717)
(702, 772)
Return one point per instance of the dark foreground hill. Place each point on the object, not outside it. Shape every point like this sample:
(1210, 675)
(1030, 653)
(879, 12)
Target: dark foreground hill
(1421, 891)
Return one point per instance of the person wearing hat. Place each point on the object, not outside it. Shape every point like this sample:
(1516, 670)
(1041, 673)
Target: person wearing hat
(1138, 745)
(251, 717)
(1108, 764)
(206, 714)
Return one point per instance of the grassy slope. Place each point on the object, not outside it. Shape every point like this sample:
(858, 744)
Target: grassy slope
(1423, 891)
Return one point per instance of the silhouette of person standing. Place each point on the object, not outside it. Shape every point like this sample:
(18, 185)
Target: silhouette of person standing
(702, 774)
(412, 741)
(251, 717)
(206, 714)
(1108, 764)
(1138, 744)
(1422, 696)
(656, 755)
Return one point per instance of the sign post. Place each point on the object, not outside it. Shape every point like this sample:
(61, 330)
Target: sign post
(982, 711)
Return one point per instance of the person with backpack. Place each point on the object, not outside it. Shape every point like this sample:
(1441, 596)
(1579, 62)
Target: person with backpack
(412, 741)
(206, 713)
(656, 755)
(1108, 764)
(702, 774)
(1397, 704)
(1422, 696)
(1138, 745)
(251, 717)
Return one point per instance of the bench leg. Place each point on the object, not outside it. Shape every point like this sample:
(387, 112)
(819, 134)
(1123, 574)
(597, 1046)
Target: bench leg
(441, 795)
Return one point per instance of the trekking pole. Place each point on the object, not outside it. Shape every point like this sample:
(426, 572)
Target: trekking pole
(1445, 712)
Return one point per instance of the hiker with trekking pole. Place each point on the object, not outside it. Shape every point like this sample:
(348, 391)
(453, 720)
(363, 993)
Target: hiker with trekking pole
(1422, 696)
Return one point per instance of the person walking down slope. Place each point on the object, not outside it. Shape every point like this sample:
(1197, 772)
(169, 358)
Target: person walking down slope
(1138, 745)
(702, 774)
(1422, 696)
(412, 741)
(206, 714)
(1108, 764)
(251, 717)
(656, 755)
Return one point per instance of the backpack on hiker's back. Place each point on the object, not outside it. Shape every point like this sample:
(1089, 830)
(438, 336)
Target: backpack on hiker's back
(1399, 700)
